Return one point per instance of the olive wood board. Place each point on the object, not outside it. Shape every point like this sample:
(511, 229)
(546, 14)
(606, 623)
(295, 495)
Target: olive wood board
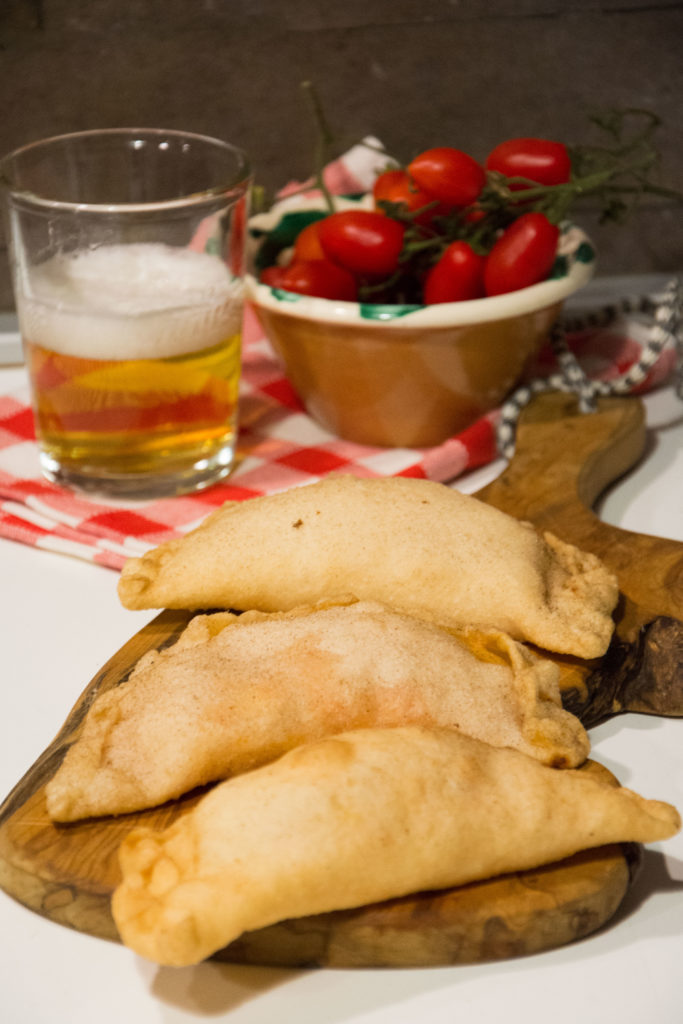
(564, 460)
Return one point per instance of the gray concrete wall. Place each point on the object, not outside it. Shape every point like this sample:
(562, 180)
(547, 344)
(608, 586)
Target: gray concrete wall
(414, 72)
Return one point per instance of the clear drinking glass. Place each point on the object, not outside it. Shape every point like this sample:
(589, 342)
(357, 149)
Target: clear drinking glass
(127, 251)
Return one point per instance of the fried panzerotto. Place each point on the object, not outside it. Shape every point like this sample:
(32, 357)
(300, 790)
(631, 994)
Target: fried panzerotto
(238, 691)
(355, 819)
(415, 545)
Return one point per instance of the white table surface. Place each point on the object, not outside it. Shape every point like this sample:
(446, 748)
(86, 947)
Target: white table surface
(61, 620)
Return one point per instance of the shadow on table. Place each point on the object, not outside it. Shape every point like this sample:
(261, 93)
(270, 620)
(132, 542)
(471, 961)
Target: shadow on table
(212, 989)
(654, 876)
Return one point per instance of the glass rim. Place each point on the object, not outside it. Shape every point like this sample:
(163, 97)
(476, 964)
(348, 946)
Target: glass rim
(238, 183)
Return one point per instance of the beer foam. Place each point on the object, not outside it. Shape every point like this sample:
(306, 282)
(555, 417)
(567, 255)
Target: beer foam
(136, 301)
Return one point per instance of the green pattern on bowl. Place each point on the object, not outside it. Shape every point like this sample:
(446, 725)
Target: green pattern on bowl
(560, 268)
(282, 296)
(376, 311)
(585, 253)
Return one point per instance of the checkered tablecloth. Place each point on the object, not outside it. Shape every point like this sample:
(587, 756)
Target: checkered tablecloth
(279, 447)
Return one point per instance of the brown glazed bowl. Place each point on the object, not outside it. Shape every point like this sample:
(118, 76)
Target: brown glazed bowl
(407, 376)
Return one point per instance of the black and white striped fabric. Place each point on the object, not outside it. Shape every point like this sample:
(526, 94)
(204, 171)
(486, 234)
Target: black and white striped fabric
(665, 313)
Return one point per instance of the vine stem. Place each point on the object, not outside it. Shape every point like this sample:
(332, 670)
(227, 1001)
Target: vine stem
(324, 140)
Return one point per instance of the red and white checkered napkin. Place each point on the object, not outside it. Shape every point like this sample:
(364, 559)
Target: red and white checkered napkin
(279, 447)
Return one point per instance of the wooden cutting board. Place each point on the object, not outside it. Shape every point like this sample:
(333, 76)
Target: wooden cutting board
(563, 462)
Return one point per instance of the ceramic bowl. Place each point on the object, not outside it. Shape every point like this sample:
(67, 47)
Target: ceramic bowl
(413, 376)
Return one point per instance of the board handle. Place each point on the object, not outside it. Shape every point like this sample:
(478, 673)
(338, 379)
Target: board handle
(563, 461)
(643, 677)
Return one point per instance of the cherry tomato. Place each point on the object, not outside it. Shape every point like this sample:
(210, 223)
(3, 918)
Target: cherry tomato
(448, 174)
(473, 215)
(307, 244)
(398, 187)
(459, 275)
(321, 278)
(272, 276)
(539, 160)
(523, 255)
(362, 241)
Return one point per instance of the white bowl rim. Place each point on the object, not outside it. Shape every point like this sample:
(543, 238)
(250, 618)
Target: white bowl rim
(532, 299)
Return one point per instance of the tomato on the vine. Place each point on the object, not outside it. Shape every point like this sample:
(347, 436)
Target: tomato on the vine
(396, 186)
(272, 276)
(365, 242)
(448, 174)
(473, 215)
(523, 255)
(320, 278)
(307, 243)
(458, 275)
(540, 160)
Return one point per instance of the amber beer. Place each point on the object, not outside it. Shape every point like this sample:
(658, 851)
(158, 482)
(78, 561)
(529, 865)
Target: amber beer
(134, 357)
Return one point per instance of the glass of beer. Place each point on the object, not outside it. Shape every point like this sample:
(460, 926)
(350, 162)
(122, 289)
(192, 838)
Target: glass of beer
(127, 252)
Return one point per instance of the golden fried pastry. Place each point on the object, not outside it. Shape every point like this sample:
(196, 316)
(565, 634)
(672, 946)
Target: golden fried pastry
(418, 546)
(238, 691)
(354, 819)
